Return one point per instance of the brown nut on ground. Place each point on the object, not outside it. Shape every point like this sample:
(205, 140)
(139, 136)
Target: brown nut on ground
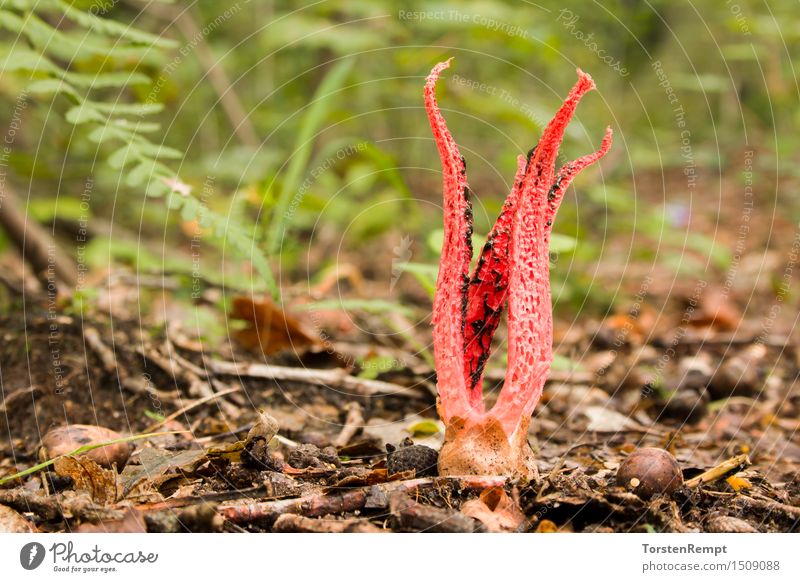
(65, 439)
(650, 471)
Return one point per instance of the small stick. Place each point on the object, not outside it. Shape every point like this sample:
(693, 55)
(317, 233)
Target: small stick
(353, 423)
(309, 506)
(769, 505)
(723, 470)
(191, 406)
(109, 360)
(17, 395)
(196, 385)
(326, 378)
(35, 243)
(411, 515)
(290, 522)
(107, 356)
(373, 496)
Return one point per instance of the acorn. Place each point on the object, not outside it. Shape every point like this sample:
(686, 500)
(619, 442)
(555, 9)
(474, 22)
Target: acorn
(65, 439)
(649, 472)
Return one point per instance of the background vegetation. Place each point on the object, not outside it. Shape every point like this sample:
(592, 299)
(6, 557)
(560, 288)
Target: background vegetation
(301, 133)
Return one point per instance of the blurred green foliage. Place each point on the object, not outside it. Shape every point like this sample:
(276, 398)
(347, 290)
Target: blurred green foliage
(343, 157)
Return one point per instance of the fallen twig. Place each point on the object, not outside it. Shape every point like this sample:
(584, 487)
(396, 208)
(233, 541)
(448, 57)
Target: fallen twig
(51, 264)
(198, 384)
(191, 406)
(411, 515)
(310, 506)
(352, 424)
(60, 506)
(789, 513)
(18, 395)
(327, 378)
(108, 359)
(722, 471)
(290, 522)
(369, 497)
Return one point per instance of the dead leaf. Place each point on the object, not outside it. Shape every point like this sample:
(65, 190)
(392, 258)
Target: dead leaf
(13, 522)
(270, 328)
(602, 419)
(635, 326)
(101, 484)
(496, 511)
(133, 522)
(155, 463)
(265, 427)
(716, 310)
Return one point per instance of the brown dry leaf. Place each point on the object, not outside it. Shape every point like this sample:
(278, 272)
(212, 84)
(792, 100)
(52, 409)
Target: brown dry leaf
(155, 464)
(13, 522)
(635, 327)
(602, 419)
(716, 310)
(496, 511)
(270, 328)
(133, 522)
(100, 484)
(331, 276)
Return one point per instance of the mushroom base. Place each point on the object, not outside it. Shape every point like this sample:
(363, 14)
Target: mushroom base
(481, 447)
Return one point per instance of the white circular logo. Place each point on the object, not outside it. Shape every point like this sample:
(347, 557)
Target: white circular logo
(31, 555)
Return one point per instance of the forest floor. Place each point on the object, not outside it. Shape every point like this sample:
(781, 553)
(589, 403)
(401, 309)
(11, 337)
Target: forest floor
(702, 370)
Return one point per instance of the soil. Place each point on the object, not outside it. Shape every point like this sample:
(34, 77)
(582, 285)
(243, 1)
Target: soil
(703, 373)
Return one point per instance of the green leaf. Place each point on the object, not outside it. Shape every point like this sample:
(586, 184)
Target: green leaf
(123, 156)
(423, 428)
(561, 243)
(69, 47)
(53, 86)
(321, 104)
(110, 27)
(110, 132)
(435, 241)
(117, 108)
(84, 113)
(157, 188)
(106, 80)
(159, 151)
(142, 172)
(21, 59)
(563, 364)
(190, 209)
(12, 22)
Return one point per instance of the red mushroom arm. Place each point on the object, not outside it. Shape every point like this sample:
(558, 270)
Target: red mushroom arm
(450, 303)
(487, 290)
(530, 314)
